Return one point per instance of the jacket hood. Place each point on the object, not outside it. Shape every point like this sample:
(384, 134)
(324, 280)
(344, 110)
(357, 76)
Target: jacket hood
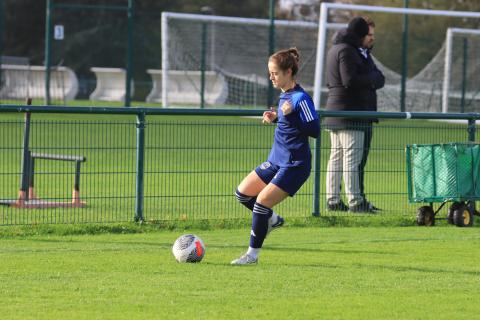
(344, 36)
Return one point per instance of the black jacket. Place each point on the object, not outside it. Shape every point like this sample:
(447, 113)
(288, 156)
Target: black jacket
(352, 79)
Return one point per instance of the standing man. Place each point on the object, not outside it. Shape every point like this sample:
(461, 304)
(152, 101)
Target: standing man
(352, 81)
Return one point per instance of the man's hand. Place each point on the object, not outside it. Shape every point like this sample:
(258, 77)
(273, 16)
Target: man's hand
(270, 115)
(287, 108)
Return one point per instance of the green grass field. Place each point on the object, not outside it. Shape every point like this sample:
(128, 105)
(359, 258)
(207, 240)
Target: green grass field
(373, 269)
(303, 273)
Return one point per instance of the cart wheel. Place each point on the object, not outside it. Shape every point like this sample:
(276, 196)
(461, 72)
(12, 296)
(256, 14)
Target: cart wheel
(425, 216)
(462, 217)
(451, 210)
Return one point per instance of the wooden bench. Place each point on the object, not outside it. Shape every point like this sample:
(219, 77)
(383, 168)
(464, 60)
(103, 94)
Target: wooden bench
(184, 87)
(28, 199)
(20, 82)
(110, 84)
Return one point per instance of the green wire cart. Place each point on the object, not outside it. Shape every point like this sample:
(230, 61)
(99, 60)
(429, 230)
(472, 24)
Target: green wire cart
(444, 173)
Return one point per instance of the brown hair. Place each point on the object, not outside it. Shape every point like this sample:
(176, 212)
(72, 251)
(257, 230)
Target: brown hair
(369, 21)
(287, 59)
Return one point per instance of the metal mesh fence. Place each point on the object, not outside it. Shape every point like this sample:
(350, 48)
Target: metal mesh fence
(192, 166)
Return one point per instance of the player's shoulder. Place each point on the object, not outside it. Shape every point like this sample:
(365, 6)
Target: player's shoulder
(300, 95)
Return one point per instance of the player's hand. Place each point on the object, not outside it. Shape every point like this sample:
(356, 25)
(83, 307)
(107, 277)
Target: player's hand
(287, 108)
(269, 116)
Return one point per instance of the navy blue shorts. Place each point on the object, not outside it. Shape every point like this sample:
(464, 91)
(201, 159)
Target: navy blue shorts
(289, 179)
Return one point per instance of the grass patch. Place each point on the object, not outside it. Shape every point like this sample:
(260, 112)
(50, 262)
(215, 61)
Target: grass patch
(304, 273)
(348, 221)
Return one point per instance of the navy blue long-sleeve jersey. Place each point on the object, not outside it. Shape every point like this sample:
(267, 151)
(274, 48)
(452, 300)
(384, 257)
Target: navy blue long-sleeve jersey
(290, 146)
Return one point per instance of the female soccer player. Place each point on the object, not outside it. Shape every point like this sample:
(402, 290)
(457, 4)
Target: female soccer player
(289, 163)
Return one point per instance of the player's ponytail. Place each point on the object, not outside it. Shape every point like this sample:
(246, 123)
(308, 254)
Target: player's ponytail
(294, 52)
(287, 59)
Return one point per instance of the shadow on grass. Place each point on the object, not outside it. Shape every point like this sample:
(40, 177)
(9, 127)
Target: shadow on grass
(416, 269)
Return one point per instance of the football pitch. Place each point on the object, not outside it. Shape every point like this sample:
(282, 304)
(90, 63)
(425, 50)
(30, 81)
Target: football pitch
(303, 273)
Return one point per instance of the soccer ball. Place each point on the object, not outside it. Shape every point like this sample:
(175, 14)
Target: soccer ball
(188, 248)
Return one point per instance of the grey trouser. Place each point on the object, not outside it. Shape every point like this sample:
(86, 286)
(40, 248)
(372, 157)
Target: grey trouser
(346, 153)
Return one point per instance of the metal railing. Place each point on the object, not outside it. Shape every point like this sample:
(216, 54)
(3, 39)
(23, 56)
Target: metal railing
(180, 164)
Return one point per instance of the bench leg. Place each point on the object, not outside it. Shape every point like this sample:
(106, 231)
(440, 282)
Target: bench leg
(31, 183)
(76, 187)
(24, 193)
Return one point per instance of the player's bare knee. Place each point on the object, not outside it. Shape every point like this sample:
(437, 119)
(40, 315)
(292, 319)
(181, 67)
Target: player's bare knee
(263, 199)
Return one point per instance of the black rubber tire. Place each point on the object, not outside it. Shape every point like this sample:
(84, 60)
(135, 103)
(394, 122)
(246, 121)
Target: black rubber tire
(463, 217)
(452, 209)
(425, 216)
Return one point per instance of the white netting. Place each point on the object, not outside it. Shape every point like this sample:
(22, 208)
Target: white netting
(425, 89)
(236, 50)
(464, 73)
(426, 55)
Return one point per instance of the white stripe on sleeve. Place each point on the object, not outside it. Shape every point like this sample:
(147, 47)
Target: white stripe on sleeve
(306, 111)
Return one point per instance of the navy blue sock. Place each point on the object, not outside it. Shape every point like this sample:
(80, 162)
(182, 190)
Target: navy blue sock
(247, 201)
(261, 214)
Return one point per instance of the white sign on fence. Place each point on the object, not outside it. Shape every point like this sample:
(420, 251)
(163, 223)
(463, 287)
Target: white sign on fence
(58, 32)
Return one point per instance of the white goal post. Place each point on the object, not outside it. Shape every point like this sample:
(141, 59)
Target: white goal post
(448, 61)
(323, 23)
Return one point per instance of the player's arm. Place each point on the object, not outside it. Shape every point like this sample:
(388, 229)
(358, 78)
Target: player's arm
(270, 116)
(310, 125)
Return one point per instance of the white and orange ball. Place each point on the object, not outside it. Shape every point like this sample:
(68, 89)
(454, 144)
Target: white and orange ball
(188, 248)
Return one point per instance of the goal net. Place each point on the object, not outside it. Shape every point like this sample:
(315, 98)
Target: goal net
(461, 69)
(424, 87)
(233, 52)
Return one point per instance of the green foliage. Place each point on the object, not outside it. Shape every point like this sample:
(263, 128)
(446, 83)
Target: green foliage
(91, 28)
(98, 37)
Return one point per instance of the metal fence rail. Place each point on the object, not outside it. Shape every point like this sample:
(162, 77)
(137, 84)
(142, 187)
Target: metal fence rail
(182, 164)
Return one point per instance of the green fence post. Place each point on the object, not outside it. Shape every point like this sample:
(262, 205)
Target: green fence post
(471, 130)
(140, 167)
(471, 137)
(409, 170)
(202, 65)
(131, 23)
(25, 155)
(464, 74)
(316, 181)
(48, 44)
(404, 59)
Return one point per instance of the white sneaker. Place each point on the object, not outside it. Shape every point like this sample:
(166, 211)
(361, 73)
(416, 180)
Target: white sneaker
(245, 259)
(272, 225)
